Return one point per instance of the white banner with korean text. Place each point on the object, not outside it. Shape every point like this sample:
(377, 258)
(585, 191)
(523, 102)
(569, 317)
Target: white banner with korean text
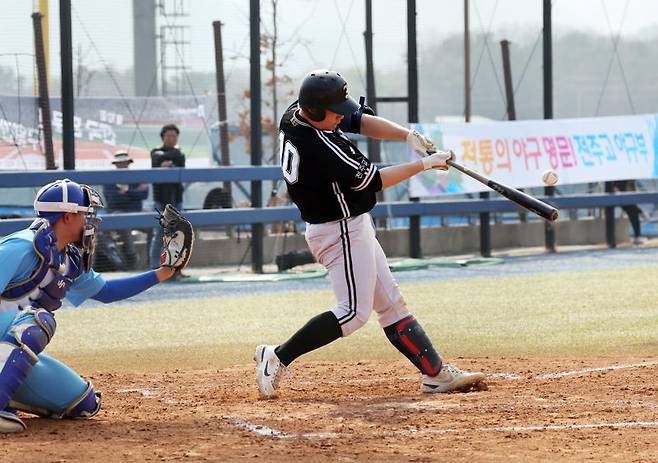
(516, 153)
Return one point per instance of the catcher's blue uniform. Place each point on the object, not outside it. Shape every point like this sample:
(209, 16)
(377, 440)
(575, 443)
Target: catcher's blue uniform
(35, 276)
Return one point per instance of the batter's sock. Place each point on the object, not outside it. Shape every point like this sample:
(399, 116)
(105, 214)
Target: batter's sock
(318, 331)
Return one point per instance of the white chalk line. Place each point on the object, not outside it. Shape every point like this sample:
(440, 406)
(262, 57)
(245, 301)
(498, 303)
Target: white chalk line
(507, 376)
(270, 432)
(565, 374)
(145, 392)
(502, 375)
(266, 431)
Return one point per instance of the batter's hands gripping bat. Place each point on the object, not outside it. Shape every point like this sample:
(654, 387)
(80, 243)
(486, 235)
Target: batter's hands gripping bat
(540, 208)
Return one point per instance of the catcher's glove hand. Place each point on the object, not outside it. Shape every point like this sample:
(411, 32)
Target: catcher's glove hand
(178, 238)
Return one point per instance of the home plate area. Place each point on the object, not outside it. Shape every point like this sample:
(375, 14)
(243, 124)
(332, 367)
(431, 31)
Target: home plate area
(573, 408)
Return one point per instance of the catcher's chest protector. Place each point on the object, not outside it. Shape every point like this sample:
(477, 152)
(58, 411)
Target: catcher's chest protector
(50, 280)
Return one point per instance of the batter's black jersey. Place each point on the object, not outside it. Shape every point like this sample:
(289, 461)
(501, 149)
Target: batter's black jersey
(328, 178)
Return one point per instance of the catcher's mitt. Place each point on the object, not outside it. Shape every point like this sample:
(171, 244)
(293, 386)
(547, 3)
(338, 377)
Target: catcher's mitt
(178, 238)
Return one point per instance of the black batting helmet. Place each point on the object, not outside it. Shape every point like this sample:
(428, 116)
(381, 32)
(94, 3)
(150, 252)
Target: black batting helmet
(323, 89)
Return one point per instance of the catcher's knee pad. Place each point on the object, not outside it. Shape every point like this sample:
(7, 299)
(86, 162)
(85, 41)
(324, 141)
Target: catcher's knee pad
(29, 334)
(410, 339)
(32, 329)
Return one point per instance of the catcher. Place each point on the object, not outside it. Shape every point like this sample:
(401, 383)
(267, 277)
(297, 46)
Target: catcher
(45, 263)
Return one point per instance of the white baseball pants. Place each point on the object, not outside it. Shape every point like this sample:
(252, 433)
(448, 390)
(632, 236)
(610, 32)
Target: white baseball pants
(358, 270)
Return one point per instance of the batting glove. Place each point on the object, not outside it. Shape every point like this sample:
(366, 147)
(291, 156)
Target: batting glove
(420, 143)
(438, 160)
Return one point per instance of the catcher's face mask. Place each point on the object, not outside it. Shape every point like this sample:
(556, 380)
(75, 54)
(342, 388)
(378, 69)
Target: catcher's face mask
(88, 242)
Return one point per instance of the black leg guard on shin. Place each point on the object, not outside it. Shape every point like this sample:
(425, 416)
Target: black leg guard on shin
(409, 338)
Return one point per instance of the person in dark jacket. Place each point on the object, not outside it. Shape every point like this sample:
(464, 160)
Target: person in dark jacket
(632, 210)
(168, 155)
(125, 197)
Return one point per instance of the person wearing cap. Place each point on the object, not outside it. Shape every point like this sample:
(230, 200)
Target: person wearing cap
(47, 262)
(125, 197)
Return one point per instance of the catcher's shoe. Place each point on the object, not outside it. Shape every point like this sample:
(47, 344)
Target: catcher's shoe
(450, 379)
(269, 371)
(9, 422)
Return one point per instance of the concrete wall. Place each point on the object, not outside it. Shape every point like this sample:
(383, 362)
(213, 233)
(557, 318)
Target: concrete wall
(438, 241)
(211, 249)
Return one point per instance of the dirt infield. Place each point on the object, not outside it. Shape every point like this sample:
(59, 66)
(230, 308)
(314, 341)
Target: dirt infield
(535, 409)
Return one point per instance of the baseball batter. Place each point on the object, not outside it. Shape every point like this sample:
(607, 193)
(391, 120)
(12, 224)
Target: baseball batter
(334, 186)
(43, 264)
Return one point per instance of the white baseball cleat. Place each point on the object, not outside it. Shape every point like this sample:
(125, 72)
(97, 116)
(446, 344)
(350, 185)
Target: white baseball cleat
(9, 422)
(450, 379)
(269, 370)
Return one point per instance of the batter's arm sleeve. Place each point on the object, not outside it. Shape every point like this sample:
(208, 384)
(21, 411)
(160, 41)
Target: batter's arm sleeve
(352, 123)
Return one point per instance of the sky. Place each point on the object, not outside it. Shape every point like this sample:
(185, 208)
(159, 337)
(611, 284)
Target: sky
(314, 33)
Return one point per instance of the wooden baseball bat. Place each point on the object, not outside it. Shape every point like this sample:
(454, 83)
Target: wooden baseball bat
(532, 204)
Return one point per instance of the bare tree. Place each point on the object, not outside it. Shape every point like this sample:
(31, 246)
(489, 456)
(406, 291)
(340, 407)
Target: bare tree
(83, 75)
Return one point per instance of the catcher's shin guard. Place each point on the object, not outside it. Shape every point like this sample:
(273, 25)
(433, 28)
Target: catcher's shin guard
(410, 339)
(88, 405)
(54, 390)
(30, 333)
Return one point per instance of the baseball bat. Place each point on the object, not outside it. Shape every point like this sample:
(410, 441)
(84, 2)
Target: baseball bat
(532, 204)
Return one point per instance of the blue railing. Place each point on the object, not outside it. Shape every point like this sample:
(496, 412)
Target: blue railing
(238, 216)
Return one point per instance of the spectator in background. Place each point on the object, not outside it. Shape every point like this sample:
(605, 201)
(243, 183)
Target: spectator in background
(125, 197)
(168, 155)
(633, 210)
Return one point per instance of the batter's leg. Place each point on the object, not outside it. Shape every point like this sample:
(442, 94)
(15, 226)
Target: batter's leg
(408, 336)
(401, 328)
(346, 250)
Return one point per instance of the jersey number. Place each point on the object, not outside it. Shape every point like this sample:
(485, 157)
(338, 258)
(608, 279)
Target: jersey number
(289, 160)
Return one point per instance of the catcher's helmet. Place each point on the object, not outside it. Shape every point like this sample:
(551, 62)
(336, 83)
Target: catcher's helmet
(62, 196)
(323, 89)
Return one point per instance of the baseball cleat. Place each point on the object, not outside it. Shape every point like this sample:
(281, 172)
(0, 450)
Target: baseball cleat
(451, 379)
(269, 370)
(9, 422)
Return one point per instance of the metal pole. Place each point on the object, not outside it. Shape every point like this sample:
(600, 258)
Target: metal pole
(610, 237)
(412, 65)
(256, 131)
(374, 146)
(467, 66)
(415, 249)
(45, 33)
(66, 54)
(507, 74)
(549, 228)
(485, 217)
(509, 94)
(44, 100)
(485, 229)
(144, 48)
(221, 101)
